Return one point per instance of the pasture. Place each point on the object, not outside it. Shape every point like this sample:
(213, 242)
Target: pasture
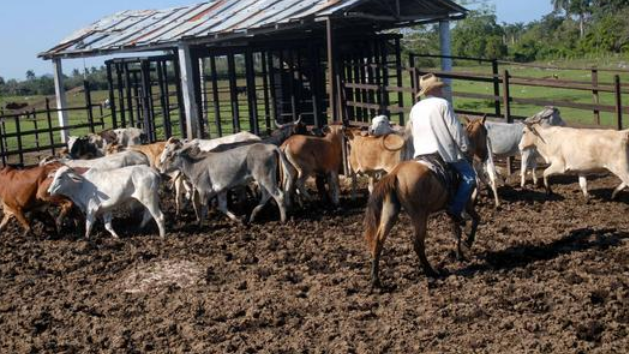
(546, 275)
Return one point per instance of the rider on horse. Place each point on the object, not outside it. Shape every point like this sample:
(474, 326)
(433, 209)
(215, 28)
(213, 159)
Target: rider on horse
(438, 133)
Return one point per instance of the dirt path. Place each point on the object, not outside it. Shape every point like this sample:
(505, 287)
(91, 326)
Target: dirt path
(545, 276)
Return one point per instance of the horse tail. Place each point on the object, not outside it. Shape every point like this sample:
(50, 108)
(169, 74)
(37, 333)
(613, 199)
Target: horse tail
(382, 209)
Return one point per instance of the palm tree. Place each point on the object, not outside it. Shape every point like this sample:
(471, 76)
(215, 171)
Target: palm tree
(578, 7)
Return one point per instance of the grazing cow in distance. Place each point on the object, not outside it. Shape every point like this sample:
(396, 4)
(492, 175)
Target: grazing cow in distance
(372, 155)
(579, 150)
(380, 126)
(99, 192)
(215, 173)
(309, 156)
(15, 105)
(24, 190)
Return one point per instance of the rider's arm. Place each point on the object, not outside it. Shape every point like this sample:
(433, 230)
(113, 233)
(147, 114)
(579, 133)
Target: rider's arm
(456, 129)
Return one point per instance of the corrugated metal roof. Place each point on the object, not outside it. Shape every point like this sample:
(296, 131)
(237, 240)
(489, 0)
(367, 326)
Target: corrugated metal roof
(159, 29)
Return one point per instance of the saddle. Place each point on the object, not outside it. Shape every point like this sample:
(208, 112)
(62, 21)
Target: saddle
(446, 174)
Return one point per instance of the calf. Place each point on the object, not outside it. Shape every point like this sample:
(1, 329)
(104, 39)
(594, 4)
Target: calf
(310, 155)
(215, 173)
(581, 151)
(99, 192)
(26, 190)
(373, 155)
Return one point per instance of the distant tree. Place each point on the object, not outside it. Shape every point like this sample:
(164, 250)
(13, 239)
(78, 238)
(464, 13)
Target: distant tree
(581, 8)
(30, 75)
(76, 72)
(2, 82)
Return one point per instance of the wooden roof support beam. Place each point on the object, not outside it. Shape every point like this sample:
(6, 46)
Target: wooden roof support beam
(188, 89)
(62, 103)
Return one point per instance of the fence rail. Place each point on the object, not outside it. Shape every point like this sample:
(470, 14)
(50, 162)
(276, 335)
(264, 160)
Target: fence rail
(365, 92)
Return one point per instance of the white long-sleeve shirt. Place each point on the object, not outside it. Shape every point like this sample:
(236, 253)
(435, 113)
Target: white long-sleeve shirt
(436, 130)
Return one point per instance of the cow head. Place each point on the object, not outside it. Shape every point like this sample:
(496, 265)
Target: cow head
(530, 136)
(86, 147)
(547, 117)
(65, 181)
(380, 126)
(286, 130)
(171, 146)
(175, 159)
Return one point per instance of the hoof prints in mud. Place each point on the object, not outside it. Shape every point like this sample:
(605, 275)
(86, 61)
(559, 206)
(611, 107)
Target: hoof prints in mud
(544, 276)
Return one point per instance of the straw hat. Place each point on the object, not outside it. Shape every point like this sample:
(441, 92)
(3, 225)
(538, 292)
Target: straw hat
(428, 83)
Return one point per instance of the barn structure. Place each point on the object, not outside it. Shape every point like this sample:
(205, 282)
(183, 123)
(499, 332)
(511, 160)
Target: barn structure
(232, 65)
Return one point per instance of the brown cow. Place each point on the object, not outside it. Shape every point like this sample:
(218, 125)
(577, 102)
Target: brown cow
(311, 155)
(27, 190)
(373, 155)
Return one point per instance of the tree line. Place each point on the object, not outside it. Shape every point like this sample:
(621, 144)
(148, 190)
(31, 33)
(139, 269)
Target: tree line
(574, 29)
(44, 84)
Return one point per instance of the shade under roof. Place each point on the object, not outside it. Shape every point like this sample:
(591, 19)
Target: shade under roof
(146, 30)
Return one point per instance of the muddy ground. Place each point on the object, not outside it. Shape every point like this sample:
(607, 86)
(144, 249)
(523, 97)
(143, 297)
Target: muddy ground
(546, 275)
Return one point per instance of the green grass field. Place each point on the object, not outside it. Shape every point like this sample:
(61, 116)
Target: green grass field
(574, 116)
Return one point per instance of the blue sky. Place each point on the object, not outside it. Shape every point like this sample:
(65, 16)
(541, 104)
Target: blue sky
(31, 26)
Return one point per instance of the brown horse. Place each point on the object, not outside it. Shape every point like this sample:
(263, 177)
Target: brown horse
(419, 191)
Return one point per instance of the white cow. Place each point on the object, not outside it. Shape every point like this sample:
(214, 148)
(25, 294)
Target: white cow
(122, 159)
(581, 151)
(206, 144)
(98, 193)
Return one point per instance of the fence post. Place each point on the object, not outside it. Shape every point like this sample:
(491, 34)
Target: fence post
(618, 94)
(88, 105)
(597, 115)
(507, 112)
(112, 98)
(2, 143)
(494, 70)
(35, 127)
(49, 120)
(18, 132)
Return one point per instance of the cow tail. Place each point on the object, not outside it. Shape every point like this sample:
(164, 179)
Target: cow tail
(382, 208)
(285, 171)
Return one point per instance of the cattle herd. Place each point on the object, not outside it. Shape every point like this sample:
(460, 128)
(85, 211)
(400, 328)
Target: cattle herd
(101, 173)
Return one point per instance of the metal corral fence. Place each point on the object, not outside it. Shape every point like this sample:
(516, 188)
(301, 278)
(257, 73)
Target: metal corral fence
(26, 134)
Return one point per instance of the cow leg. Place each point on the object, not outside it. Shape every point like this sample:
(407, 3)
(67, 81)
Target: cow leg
(618, 189)
(107, 218)
(177, 184)
(523, 167)
(90, 218)
(371, 183)
(354, 182)
(264, 198)
(490, 169)
(301, 186)
(553, 169)
(5, 220)
(19, 215)
(334, 187)
(222, 206)
(583, 183)
(151, 203)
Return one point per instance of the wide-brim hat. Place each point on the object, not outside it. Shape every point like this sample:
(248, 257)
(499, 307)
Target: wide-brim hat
(428, 83)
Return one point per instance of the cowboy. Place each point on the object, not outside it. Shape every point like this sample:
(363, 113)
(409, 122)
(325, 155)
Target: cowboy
(436, 130)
